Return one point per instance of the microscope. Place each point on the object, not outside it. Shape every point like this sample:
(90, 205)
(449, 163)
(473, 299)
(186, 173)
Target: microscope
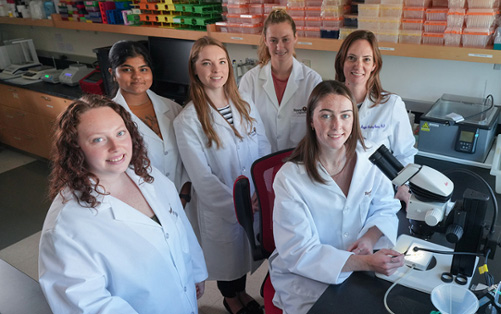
(431, 210)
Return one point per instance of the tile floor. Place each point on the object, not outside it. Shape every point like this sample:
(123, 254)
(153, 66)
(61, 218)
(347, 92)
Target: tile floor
(23, 205)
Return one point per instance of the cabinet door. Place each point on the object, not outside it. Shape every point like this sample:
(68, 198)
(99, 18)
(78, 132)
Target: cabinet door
(23, 140)
(47, 105)
(15, 97)
(19, 119)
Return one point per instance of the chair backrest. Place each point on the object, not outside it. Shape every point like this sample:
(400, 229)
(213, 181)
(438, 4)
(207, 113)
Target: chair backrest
(263, 173)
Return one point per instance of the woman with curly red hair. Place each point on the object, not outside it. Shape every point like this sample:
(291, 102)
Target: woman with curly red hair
(116, 238)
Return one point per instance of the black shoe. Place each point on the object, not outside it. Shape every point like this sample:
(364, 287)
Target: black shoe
(254, 308)
(244, 310)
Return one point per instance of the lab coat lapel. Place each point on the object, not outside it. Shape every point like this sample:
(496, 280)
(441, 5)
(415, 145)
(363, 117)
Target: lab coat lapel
(363, 110)
(267, 81)
(292, 84)
(145, 130)
(164, 122)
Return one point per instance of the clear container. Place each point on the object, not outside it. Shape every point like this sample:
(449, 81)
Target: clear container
(234, 27)
(350, 20)
(455, 17)
(332, 22)
(400, 2)
(238, 1)
(334, 3)
(256, 9)
(414, 12)
(313, 3)
(345, 31)
(295, 4)
(410, 36)
(412, 24)
(436, 14)
(238, 8)
(439, 3)
(391, 10)
(417, 3)
(254, 1)
(313, 22)
(222, 27)
(300, 31)
(295, 11)
(251, 19)
(299, 20)
(268, 7)
(452, 36)
(480, 18)
(480, 4)
(369, 2)
(435, 26)
(313, 32)
(433, 39)
(252, 28)
(233, 18)
(332, 11)
(368, 10)
(476, 37)
(388, 36)
(456, 4)
(368, 23)
(313, 11)
(389, 23)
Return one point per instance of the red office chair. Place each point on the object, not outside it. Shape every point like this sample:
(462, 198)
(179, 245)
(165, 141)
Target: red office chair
(263, 173)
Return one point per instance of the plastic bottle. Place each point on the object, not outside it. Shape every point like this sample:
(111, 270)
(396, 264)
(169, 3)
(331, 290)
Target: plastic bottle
(36, 9)
(49, 9)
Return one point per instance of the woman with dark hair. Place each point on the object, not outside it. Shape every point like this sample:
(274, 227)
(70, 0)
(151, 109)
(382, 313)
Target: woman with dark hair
(383, 117)
(220, 135)
(280, 85)
(333, 207)
(116, 238)
(131, 69)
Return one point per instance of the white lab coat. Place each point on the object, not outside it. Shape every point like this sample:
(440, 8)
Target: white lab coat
(285, 123)
(213, 172)
(313, 225)
(114, 259)
(388, 124)
(163, 154)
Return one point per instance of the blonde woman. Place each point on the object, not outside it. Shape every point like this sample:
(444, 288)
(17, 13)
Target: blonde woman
(219, 135)
(280, 85)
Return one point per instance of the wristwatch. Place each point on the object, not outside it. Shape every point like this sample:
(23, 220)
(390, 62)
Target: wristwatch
(185, 197)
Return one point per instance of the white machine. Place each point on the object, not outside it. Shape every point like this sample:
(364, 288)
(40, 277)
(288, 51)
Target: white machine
(52, 76)
(36, 73)
(72, 75)
(22, 56)
(431, 210)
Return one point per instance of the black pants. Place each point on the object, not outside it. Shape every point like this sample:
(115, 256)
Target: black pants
(229, 289)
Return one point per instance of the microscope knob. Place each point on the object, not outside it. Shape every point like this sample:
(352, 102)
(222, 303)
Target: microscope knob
(454, 233)
(434, 216)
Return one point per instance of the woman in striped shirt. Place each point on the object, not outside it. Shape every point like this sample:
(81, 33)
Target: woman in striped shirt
(220, 135)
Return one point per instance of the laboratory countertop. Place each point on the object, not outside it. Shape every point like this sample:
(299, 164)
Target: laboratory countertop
(57, 90)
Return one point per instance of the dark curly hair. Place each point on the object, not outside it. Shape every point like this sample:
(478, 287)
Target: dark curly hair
(69, 167)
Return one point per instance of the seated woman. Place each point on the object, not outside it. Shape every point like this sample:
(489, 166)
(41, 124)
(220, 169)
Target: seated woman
(333, 207)
(116, 238)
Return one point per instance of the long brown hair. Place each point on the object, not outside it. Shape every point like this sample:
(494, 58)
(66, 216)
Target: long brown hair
(200, 99)
(376, 92)
(69, 167)
(307, 151)
(276, 16)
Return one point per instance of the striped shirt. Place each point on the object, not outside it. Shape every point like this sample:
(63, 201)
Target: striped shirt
(226, 113)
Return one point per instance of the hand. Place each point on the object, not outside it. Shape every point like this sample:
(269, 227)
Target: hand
(255, 203)
(200, 289)
(403, 194)
(386, 261)
(362, 246)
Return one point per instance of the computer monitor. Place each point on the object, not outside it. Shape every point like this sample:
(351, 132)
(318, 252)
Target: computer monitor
(170, 59)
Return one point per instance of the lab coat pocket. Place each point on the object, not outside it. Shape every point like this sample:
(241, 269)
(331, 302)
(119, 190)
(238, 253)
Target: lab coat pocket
(219, 228)
(375, 132)
(364, 207)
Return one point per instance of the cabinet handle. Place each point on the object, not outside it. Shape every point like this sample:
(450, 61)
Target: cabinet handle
(50, 106)
(17, 138)
(45, 98)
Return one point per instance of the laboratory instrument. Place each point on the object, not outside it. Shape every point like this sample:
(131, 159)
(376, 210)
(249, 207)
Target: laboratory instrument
(93, 83)
(459, 126)
(36, 73)
(73, 74)
(52, 76)
(431, 210)
(21, 55)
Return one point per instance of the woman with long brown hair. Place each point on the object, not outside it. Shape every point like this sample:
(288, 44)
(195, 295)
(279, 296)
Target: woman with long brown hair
(220, 135)
(383, 117)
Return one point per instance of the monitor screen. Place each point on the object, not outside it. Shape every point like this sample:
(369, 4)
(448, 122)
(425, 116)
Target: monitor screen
(170, 59)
